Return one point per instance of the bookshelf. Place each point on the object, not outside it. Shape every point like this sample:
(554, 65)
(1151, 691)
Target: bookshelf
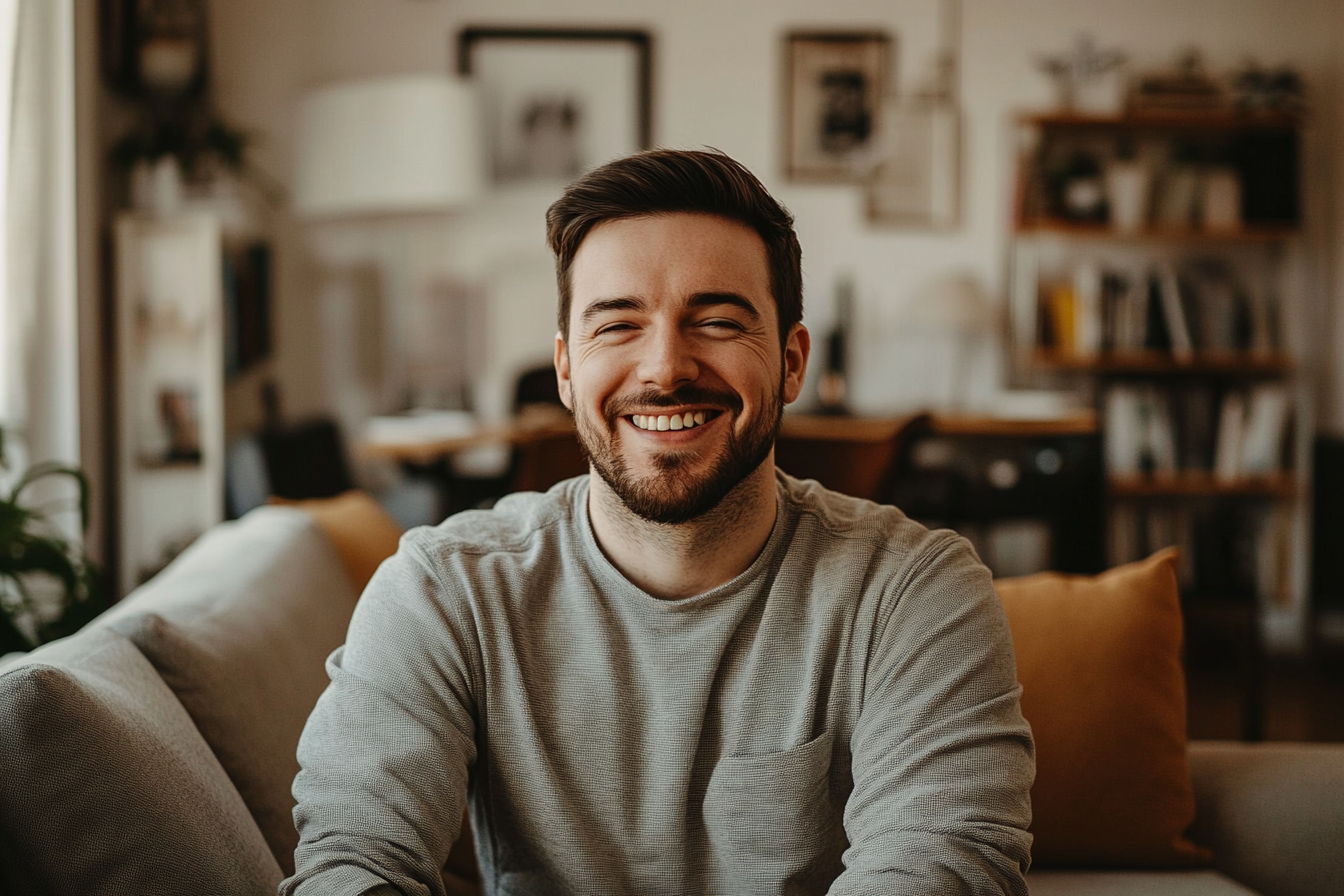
(169, 319)
(1154, 265)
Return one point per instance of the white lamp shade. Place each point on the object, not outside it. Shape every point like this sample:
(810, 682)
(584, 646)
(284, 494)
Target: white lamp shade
(388, 146)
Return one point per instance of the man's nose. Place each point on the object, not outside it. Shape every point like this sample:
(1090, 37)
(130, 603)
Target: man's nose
(668, 359)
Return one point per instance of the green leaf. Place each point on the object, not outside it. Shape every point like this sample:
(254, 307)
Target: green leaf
(32, 550)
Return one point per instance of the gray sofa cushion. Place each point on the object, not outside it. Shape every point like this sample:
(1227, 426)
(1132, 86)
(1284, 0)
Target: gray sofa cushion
(1273, 813)
(108, 787)
(240, 627)
(1133, 883)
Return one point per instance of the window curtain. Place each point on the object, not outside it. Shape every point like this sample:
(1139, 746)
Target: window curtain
(39, 358)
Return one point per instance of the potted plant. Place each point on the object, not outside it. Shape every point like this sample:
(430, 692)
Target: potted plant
(38, 563)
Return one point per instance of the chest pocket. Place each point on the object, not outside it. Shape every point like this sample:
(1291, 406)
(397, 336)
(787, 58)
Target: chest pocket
(772, 823)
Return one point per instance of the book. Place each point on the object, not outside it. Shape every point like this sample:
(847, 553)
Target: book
(1194, 412)
(1159, 450)
(1173, 312)
(1266, 423)
(1231, 429)
(1064, 318)
(1130, 312)
(1087, 318)
(1122, 431)
(1219, 316)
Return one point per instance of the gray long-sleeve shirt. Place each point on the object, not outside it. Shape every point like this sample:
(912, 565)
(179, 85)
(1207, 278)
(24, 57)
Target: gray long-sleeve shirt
(843, 714)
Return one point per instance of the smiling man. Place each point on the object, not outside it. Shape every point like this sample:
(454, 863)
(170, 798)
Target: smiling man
(685, 672)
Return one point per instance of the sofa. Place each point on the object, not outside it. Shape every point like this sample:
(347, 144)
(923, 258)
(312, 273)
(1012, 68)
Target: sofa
(153, 751)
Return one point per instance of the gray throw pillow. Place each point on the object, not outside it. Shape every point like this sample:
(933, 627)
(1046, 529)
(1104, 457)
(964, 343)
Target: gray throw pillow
(239, 628)
(108, 787)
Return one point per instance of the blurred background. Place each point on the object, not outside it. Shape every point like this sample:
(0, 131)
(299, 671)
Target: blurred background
(1072, 268)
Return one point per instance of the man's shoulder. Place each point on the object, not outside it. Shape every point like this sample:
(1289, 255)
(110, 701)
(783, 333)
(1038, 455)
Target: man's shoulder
(514, 524)
(832, 515)
(833, 532)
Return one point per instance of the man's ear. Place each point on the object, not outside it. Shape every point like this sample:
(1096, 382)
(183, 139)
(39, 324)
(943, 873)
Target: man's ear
(796, 350)
(562, 371)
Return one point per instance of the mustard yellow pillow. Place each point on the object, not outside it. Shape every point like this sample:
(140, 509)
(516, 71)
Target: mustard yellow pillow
(1099, 659)
(363, 533)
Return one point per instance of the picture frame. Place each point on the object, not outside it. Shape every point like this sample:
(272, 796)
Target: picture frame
(834, 86)
(559, 101)
(914, 179)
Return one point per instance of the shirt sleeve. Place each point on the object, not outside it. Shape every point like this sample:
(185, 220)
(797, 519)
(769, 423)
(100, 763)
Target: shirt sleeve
(385, 756)
(943, 761)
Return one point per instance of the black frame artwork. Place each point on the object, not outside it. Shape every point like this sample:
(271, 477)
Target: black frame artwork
(833, 90)
(559, 101)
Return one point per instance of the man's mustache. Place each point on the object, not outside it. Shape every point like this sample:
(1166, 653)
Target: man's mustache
(679, 397)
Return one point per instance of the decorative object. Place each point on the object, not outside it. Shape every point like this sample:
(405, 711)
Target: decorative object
(1080, 189)
(1186, 88)
(155, 48)
(833, 387)
(1260, 89)
(1088, 79)
(1128, 184)
(558, 102)
(401, 144)
(155, 53)
(950, 323)
(833, 90)
(914, 183)
(39, 565)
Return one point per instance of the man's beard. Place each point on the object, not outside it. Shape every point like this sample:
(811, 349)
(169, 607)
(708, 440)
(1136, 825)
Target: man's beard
(675, 494)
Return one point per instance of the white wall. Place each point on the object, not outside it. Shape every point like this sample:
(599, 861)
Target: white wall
(717, 82)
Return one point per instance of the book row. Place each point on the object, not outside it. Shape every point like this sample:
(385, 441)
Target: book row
(1230, 432)
(1200, 305)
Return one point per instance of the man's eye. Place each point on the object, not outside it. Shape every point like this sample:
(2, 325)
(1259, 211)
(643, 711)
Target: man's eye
(606, 329)
(719, 323)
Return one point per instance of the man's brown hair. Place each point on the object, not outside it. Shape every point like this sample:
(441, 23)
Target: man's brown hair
(663, 181)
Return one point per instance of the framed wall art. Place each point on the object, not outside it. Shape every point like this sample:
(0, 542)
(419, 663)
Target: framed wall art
(914, 182)
(558, 102)
(834, 85)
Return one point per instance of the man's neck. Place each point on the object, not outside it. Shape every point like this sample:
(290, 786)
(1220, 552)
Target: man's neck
(678, 561)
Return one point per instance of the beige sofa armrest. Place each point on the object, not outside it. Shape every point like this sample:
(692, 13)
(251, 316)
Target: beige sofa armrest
(1273, 813)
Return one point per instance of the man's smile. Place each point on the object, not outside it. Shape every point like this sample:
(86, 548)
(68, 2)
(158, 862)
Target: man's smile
(673, 422)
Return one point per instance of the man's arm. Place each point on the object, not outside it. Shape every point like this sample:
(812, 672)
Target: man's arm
(943, 761)
(385, 755)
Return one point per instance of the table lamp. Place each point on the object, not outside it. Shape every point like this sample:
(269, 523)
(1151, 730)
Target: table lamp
(394, 145)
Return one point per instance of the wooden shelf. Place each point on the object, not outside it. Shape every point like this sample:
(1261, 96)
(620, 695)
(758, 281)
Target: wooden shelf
(1200, 484)
(1165, 119)
(844, 427)
(1256, 234)
(1080, 423)
(1162, 363)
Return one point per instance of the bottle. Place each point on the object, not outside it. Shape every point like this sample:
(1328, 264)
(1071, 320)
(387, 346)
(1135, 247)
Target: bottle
(833, 387)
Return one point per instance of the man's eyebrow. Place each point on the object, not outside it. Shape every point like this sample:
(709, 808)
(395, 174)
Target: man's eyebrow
(603, 306)
(709, 299)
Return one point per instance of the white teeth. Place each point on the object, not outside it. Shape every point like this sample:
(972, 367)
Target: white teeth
(664, 423)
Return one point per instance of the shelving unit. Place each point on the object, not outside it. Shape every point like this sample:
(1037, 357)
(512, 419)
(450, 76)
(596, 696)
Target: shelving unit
(169, 390)
(1180, 322)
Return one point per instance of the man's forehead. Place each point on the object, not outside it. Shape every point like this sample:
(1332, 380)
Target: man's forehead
(698, 252)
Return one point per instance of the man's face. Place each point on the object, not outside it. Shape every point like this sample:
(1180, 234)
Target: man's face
(673, 368)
